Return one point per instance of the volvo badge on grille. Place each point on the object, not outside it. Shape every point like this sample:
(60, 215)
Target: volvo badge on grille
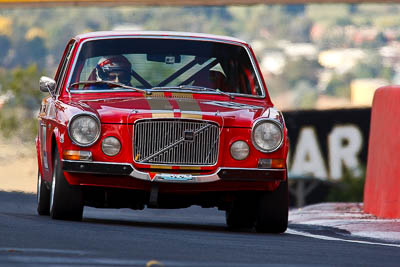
(188, 135)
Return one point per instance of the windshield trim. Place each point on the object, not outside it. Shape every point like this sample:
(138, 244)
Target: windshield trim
(186, 91)
(252, 60)
(107, 91)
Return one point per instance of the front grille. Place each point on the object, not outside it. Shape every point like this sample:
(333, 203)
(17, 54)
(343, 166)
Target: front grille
(175, 142)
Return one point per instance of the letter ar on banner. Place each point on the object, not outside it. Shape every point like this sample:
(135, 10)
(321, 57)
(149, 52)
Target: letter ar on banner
(344, 144)
(324, 144)
(307, 159)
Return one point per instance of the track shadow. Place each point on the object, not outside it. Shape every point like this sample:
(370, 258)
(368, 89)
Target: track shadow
(24, 205)
(319, 230)
(169, 225)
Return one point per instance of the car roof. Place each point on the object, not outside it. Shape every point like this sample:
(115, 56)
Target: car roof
(183, 35)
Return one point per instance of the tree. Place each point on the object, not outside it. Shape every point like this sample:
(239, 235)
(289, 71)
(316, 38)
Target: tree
(302, 69)
(295, 9)
(373, 67)
(5, 45)
(306, 95)
(299, 30)
(30, 49)
(339, 85)
(18, 114)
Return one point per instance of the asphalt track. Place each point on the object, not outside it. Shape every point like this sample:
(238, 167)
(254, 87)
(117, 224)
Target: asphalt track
(186, 237)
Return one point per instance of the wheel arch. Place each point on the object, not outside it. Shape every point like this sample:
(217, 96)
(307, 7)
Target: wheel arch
(38, 156)
(55, 143)
(57, 140)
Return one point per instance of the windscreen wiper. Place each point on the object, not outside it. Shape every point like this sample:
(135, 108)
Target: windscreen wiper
(113, 84)
(193, 88)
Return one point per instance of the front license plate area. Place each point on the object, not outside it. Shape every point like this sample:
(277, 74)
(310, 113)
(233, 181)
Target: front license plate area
(176, 177)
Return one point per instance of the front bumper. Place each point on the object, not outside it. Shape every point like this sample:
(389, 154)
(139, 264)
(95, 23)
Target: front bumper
(222, 174)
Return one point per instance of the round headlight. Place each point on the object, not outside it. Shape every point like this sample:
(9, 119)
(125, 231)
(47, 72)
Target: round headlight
(84, 130)
(110, 146)
(267, 135)
(240, 150)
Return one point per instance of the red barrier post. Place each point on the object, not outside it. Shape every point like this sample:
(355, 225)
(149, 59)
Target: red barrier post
(382, 184)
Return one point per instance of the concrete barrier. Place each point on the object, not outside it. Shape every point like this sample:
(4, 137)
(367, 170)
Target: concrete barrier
(382, 185)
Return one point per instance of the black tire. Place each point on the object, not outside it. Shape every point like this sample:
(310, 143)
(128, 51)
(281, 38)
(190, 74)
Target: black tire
(43, 197)
(242, 213)
(273, 210)
(66, 201)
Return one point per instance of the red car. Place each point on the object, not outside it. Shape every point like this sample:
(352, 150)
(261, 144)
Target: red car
(162, 120)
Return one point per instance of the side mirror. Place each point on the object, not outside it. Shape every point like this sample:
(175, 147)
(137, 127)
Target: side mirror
(47, 84)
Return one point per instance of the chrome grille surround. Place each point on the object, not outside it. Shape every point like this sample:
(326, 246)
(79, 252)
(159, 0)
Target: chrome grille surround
(177, 142)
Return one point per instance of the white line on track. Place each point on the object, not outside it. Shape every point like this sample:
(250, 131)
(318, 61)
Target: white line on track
(322, 237)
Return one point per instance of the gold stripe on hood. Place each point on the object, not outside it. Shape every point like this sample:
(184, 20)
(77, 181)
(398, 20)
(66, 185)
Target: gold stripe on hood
(155, 94)
(163, 115)
(160, 107)
(190, 108)
(182, 95)
(191, 116)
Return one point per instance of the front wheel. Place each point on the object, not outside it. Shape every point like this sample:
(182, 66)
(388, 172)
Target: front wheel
(273, 210)
(66, 201)
(43, 197)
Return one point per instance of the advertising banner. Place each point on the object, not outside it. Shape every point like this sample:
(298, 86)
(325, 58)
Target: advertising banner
(324, 144)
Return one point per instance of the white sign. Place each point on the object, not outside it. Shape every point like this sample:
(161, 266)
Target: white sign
(344, 146)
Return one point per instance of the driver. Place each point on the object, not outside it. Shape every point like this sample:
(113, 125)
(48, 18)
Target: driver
(115, 68)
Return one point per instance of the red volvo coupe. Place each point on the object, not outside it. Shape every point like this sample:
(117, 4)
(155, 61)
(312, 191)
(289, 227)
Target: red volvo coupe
(162, 120)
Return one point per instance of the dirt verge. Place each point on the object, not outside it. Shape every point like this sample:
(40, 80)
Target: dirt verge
(18, 166)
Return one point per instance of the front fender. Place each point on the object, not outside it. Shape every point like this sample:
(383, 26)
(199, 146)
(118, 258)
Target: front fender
(58, 138)
(38, 155)
(52, 143)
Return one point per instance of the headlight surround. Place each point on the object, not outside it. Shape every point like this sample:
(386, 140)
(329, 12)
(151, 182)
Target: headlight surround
(111, 146)
(84, 129)
(267, 135)
(240, 150)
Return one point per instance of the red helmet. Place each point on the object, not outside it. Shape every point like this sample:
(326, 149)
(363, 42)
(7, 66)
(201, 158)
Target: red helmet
(114, 68)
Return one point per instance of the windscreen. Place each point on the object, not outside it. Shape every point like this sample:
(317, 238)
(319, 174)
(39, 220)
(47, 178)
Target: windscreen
(164, 64)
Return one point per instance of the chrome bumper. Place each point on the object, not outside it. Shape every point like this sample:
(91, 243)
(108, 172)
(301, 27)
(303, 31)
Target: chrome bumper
(125, 169)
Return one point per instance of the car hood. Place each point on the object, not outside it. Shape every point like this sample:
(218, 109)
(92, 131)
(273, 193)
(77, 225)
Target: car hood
(128, 110)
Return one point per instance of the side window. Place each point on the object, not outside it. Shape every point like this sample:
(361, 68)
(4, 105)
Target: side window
(87, 73)
(60, 75)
